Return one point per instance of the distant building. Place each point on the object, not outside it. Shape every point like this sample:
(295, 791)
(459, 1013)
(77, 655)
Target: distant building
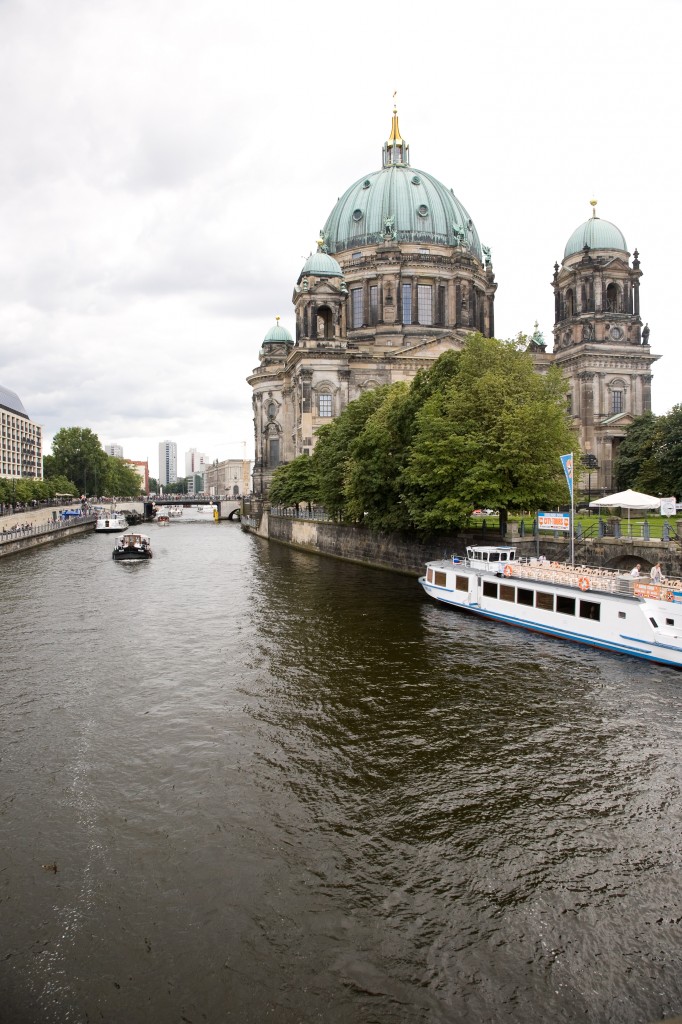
(21, 442)
(195, 462)
(115, 450)
(168, 463)
(142, 470)
(231, 478)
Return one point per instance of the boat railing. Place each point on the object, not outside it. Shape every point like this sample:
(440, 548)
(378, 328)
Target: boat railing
(591, 578)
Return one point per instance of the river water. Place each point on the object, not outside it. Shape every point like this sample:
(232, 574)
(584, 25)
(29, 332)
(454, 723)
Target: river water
(277, 787)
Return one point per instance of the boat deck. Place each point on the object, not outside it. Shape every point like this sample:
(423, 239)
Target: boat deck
(586, 577)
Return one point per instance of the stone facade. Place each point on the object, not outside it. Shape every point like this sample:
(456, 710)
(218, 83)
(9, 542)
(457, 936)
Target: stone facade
(600, 344)
(400, 277)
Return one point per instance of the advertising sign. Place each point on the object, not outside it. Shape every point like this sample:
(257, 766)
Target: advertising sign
(553, 521)
(668, 506)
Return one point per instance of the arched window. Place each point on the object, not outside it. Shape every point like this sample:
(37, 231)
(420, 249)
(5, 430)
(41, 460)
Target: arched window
(570, 303)
(613, 298)
(325, 326)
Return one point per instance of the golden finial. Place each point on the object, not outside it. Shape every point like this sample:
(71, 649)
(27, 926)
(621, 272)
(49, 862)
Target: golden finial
(394, 137)
(277, 319)
(593, 204)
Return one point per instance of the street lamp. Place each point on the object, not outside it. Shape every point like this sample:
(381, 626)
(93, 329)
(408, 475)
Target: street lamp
(591, 463)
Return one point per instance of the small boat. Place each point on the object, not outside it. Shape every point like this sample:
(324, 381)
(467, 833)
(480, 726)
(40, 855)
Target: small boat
(113, 522)
(599, 607)
(163, 519)
(132, 547)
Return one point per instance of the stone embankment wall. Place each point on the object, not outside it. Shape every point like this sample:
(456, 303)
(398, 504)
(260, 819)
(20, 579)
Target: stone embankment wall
(15, 543)
(406, 554)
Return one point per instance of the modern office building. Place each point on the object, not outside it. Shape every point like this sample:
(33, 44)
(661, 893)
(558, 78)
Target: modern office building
(168, 463)
(115, 450)
(195, 462)
(21, 440)
(400, 276)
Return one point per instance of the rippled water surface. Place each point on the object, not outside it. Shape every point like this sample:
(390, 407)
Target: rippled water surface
(278, 787)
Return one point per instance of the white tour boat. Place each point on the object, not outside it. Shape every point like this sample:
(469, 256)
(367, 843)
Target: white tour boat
(599, 607)
(111, 522)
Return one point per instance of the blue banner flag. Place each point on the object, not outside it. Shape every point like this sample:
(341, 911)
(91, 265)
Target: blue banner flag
(567, 463)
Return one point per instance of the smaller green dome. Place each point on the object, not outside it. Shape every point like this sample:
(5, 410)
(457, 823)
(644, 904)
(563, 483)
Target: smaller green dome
(277, 335)
(597, 233)
(321, 264)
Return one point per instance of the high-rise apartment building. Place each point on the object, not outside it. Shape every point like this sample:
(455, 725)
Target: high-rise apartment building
(115, 450)
(168, 463)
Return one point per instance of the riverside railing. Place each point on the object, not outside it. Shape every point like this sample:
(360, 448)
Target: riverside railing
(23, 532)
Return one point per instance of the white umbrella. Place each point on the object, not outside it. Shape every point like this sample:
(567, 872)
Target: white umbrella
(627, 499)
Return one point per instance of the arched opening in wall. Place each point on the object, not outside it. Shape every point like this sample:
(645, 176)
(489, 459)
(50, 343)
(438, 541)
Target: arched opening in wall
(325, 325)
(570, 303)
(613, 298)
(235, 491)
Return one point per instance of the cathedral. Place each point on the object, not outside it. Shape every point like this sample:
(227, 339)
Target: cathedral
(400, 276)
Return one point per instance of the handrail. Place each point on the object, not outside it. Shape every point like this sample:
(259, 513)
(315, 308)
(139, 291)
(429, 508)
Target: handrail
(24, 532)
(591, 578)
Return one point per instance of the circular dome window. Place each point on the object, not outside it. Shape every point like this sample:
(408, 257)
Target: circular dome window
(357, 214)
(366, 183)
(423, 211)
(416, 180)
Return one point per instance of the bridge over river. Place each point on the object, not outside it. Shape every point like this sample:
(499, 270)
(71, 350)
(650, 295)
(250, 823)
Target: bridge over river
(228, 508)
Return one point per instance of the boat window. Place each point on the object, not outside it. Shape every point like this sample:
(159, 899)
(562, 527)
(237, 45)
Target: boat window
(670, 622)
(461, 583)
(544, 600)
(512, 556)
(653, 622)
(494, 556)
(489, 589)
(590, 610)
(622, 615)
(524, 596)
(439, 579)
(565, 605)
(507, 593)
(429, 575)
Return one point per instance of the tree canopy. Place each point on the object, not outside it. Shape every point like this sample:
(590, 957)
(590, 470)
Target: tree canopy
(650, 455)
(78, 455)
(479, 427)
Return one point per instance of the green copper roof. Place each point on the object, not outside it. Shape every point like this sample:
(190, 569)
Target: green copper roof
(277, 335)
(598, 234)
(403, 203)
(321, 264)
(399, 204)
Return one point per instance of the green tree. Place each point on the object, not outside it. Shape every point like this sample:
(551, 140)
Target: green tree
(294, 483)
(637, 453)
(492, 435)
(79, 456)
(120, 478)
(650, 455)
(334, 448)
(377, 461)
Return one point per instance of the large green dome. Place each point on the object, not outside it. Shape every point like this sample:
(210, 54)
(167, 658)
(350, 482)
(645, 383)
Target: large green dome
(597, 233)
(399, 203)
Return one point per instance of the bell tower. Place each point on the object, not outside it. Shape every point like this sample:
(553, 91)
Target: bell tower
(599, 341)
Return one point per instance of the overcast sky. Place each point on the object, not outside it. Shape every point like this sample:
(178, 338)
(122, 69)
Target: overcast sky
(166, 167)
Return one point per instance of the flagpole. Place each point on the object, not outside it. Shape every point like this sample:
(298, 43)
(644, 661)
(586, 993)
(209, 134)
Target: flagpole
(567, 463)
